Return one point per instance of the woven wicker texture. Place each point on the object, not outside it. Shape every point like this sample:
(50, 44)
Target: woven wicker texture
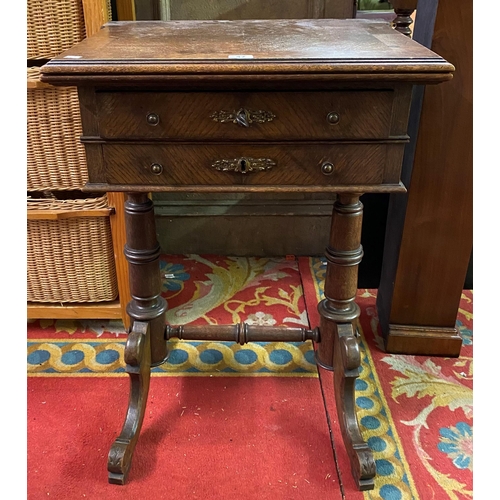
(53, 26)
(56, 158)
(109, 10)
(70, 260)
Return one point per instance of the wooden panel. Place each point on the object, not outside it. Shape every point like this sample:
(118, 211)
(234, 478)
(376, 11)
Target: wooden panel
(422, 282)
(352, 49)
(96, 13)
(90, 126)
(119, 237)
(337, 9)
(69, 214)
(285, 115)
(125, 10)
(261, 9)
(293, 165)
(103, 310)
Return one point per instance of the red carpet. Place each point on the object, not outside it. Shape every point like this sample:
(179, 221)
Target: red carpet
(225, 421)
(202, 437)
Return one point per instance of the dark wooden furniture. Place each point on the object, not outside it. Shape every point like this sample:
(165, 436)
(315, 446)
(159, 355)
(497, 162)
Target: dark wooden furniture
(429, 231)
(246, 106)
(211, 217)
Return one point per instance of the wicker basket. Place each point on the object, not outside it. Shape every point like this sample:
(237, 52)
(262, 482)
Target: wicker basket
(53, 26)
(56, 158)
(70, 251)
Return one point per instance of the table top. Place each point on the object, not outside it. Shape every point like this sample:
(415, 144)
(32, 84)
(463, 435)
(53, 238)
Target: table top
(161, 49)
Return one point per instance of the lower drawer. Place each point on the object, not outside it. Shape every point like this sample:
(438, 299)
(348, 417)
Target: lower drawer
(252, 164)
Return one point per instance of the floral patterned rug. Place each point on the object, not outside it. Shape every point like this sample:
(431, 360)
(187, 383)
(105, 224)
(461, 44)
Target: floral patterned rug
(414, 412)
(199, 290)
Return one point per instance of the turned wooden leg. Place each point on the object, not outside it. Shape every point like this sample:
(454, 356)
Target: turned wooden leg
(404, 10)
(142, 252)
(339, 349)
(146, 345)
(138, 359)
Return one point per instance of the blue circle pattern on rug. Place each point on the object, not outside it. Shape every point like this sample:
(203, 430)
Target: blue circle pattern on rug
(384, 467)
(370, 422)
(360, 385)
(397, 487)
(309, 355)
(280, 356)
(107, 356)
(72, 357)
(38, 357)
(365, 403)
(390, 492)
(177, 357)
(211, 356)
(377, 444)
(224, 357)
(245, 357)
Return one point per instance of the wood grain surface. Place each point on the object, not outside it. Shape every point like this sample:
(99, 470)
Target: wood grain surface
(293, 115)
(294, 164)
(328, 46)
(429, 250)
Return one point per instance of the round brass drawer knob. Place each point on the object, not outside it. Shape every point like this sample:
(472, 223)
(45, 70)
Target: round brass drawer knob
(153, 119)
(327, 168)
(333, 118)
(156, 168)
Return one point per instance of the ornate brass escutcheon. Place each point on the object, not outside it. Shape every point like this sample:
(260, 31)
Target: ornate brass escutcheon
(243, 117)
(244, 165)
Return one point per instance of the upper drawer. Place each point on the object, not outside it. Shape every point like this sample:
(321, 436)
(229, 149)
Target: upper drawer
(245, 115)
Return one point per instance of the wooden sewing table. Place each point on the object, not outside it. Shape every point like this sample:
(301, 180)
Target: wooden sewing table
(245, 106)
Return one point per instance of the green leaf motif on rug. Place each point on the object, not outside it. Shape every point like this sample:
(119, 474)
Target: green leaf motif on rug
(422, 380)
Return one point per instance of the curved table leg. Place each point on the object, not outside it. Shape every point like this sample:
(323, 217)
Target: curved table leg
(346, 363)
(338, 348)
(138, 359)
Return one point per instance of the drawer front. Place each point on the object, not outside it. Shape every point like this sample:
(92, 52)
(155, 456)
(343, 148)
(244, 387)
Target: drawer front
(245, 115)
(253, 164)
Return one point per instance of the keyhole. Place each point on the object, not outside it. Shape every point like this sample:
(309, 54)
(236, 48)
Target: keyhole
(241, 118)
(243, 166)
